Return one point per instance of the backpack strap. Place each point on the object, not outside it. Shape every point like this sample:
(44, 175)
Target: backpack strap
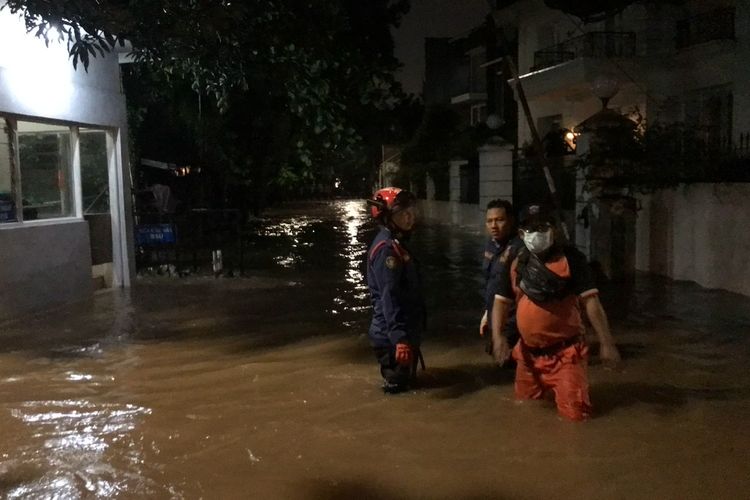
(378, 246)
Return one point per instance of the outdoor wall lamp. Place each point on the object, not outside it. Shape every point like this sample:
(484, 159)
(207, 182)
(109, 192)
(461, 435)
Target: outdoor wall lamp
(605, 87)
(570, 138)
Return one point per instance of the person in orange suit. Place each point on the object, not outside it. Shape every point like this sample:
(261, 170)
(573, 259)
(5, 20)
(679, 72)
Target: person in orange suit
(551, 285)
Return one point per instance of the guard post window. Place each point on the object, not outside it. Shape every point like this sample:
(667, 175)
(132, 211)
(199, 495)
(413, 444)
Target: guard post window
(44, 155)
(7, 167)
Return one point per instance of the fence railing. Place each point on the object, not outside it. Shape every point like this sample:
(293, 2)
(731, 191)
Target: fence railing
(593, 44)
(189, 240)
(714, 25)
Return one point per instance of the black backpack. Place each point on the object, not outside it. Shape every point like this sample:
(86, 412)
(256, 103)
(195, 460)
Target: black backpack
(537, 281)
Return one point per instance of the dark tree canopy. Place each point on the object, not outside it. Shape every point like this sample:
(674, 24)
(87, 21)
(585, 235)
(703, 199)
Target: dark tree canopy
(308, 71)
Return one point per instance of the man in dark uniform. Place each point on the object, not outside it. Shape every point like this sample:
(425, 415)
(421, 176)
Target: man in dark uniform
(551, 284)
(499, 252)
(398, 310)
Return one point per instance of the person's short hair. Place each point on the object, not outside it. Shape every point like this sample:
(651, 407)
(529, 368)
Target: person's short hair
(504, 204)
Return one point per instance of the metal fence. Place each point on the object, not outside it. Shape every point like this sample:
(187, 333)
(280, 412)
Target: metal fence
(714, 25)
(189, 242)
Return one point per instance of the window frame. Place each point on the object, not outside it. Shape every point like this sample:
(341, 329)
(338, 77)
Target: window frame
(73, 175)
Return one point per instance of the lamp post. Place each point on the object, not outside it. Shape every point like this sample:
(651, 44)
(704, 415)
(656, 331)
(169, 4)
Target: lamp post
(606, 220)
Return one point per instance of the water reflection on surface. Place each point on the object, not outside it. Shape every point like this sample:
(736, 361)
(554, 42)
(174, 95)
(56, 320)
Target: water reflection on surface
(264, 387)
(75, 436)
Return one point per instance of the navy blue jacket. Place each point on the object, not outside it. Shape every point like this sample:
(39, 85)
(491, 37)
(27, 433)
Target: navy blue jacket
(497, 257)
(398, 310)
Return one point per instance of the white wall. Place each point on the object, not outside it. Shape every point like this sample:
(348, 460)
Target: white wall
(495, 173)
(39, 83)
(43, 266)
(698, 233)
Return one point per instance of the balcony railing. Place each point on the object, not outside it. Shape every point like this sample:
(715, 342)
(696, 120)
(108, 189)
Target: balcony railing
(593, 44)
(715, 25)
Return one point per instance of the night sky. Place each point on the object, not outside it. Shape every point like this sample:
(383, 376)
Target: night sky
(432, 18)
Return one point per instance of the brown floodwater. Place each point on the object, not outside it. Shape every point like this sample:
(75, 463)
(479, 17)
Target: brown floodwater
(264, 387)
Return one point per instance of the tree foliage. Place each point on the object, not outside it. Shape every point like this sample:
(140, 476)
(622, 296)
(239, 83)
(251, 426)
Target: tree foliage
(440, 137)
(307, 71)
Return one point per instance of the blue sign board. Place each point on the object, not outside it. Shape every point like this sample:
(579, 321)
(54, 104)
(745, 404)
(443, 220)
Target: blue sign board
(154, 234)
(7, 211)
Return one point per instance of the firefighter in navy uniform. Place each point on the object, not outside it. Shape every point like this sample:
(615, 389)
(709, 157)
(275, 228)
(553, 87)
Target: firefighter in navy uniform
(501, 249)
(398, 311)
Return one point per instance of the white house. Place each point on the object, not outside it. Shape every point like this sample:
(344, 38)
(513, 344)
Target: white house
(675, 62)
(64, 182)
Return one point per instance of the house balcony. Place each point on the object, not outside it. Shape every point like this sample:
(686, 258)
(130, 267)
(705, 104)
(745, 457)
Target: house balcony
(567, 69)
(469, 90)
(595, 44)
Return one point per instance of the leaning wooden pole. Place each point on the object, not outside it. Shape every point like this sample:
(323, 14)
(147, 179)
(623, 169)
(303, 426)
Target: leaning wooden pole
(537, 141)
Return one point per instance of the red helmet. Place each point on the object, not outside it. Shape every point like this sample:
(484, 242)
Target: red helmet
(389, 198)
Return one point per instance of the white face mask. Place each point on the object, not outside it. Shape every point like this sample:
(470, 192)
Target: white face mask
(537, 242)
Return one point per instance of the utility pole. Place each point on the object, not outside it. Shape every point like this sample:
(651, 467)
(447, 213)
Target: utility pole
(507, 59)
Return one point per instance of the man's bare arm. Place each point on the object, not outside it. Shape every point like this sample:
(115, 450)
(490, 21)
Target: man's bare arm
(598, 318)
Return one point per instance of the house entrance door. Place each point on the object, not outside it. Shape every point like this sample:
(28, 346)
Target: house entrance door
(95, 190)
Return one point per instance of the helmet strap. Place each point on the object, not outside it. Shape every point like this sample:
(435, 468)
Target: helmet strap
(377, 203)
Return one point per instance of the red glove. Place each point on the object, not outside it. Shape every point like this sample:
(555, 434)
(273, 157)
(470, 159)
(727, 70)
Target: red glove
(404, 354)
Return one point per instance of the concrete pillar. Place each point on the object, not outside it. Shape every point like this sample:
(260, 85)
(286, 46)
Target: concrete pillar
(455, 180)
(495, 173)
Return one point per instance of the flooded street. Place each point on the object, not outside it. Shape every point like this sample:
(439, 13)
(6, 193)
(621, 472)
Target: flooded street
(265, 387)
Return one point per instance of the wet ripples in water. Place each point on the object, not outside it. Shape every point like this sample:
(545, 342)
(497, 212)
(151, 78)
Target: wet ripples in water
(264, 386)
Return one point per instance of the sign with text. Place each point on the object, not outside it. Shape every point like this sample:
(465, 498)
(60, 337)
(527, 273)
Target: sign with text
(155, 234)
(7, 211)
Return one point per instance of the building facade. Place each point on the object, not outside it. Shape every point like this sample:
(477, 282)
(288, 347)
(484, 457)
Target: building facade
(657, 63)
(673, 62)
(64, 182)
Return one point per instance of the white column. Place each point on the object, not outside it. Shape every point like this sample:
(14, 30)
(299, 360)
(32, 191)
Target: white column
(495, 173)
